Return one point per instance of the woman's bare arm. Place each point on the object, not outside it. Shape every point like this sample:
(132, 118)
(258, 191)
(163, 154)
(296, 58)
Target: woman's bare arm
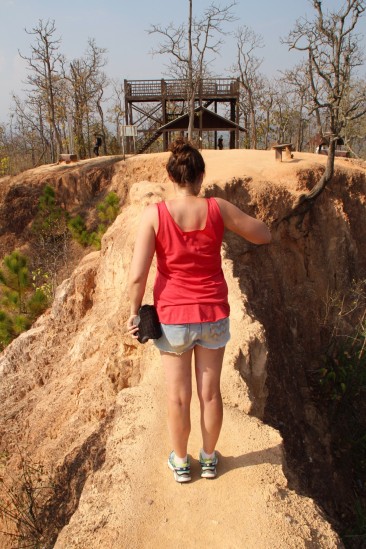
(244, 225)
(142, 257)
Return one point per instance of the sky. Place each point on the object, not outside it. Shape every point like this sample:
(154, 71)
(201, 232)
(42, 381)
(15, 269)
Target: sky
(121, 27)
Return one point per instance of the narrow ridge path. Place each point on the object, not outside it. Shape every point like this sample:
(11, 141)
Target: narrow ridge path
(247, 506)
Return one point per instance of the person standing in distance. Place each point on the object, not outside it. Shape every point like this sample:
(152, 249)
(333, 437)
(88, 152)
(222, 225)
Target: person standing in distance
(97, 144)
(191, 298)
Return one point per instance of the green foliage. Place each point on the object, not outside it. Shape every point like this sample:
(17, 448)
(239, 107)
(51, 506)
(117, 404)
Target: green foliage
(343, 376)
(107, 212)
(14, 276)
(11, 326)
(51, 219)
(342, 383)
(20, 324)
(42, 281)
(22, 302)
(4, 166)
(10, 299)
(49, 243)
(37, 303)
(96, 237)
(47, 201)
(24, 295)
(356, 534)
(6, 329)
(79, 231)
(108, 209)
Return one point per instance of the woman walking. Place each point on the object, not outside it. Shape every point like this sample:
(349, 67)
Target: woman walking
(191, 298)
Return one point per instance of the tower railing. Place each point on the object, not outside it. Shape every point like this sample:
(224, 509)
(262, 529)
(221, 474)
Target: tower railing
(179, 88)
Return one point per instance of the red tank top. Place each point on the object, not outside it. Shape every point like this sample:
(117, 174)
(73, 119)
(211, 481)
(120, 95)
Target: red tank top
(190, 285)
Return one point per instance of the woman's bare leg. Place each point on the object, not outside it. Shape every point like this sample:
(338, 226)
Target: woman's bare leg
(178, 377)
(208, 365)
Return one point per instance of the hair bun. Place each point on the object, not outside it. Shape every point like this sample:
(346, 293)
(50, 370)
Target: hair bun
(185, 165)
(180, 146)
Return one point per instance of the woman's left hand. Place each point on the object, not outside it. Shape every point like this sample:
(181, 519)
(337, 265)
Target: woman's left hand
(133, 326)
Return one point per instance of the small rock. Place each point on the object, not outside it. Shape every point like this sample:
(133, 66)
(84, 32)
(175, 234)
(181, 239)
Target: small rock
(289, 519)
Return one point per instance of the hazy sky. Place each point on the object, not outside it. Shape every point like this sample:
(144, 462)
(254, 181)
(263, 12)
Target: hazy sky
(120, 27)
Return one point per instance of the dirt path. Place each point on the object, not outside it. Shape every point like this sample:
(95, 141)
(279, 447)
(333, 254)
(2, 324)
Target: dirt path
(247, 506)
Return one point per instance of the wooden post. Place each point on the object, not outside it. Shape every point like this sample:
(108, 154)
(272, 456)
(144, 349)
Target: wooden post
(165, 120)
(278, 155)
(232, 118)
(288, 154)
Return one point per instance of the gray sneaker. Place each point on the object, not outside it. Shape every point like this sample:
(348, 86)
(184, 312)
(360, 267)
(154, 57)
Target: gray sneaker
(208, 466)
(182, 473)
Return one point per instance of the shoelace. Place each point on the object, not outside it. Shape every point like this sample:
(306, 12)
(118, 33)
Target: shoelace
(184, 469)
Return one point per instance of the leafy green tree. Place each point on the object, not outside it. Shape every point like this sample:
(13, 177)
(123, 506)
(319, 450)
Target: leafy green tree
(79, 231)
(15, 278)
(107, 212)
(37, 303)
(51, 219)
(109, 208)
(51, 238)
(4, 165)
(6, 329)
(21, 303)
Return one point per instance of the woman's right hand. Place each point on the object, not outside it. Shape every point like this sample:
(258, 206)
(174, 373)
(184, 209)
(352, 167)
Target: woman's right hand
(132, 325)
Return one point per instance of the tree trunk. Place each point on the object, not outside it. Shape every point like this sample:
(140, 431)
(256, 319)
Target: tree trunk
(306, 201)
(253, 125)
(52, 110)
(326, 177)
(191, 85)
(268, 123)
(101, 114)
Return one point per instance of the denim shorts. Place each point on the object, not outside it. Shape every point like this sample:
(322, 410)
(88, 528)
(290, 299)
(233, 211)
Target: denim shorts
(179, 338)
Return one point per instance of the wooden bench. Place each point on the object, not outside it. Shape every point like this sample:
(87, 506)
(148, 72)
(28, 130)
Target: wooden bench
(67, 158)
(287, 148)
(342, 154)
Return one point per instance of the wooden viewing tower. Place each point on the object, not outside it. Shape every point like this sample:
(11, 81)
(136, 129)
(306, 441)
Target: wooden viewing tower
(160, 107)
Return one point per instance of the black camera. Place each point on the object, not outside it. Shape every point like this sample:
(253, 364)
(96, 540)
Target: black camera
(149, 325)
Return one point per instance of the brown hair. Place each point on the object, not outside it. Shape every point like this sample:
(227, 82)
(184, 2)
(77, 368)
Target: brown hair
(185, 164)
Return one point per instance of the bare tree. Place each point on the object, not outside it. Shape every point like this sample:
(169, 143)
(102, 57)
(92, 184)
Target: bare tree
(297, 82)
(116, 112)
(355, 130)
(30, 120)
(44, 65)
(87, 82)
(333, 54)
(189, 44)
(264, 117)
(56, 91)
(247, 66)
